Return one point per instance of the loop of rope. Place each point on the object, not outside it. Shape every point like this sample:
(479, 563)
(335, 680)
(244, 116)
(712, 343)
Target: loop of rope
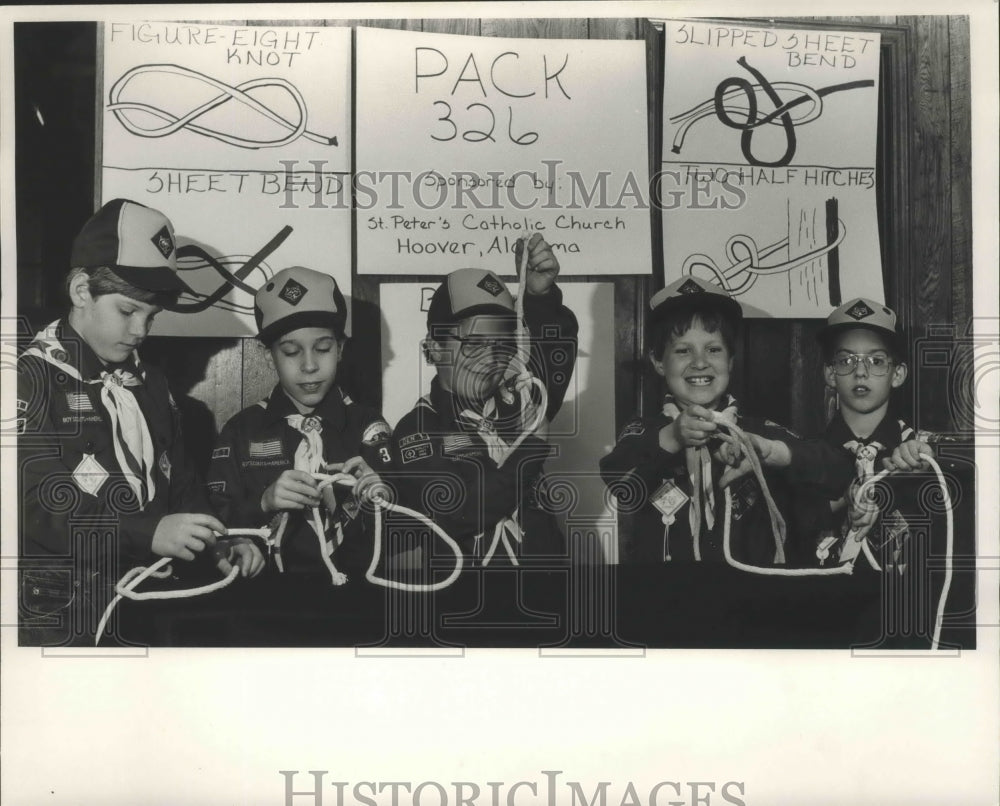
(381, 503)
(778, 527)
(126, 586)
(849, 567)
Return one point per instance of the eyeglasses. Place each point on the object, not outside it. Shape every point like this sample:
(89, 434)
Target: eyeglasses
(476, 346)
(877, 364)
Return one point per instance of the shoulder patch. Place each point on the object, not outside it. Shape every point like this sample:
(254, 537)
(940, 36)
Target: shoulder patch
(269, 448)
(376, 433)
(461, 445)
(22, 406)
(78, 401)
(220, 453)
(422, 450)
(414, 438)
(634, 428)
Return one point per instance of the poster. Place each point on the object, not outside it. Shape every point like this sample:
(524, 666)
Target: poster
(466, 144)
(241, 136)
(583, 430)
(768, 174)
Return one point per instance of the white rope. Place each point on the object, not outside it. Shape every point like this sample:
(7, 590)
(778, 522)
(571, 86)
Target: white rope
(849, 567)
(523, 358)
(500, 534)
(381, 503)
(126, 586)
(765, 570)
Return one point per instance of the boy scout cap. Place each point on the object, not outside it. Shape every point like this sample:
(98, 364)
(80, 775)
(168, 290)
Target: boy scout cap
(692, 292)
(861, 312)
(134, 241)
(469, 292)
(298, 297)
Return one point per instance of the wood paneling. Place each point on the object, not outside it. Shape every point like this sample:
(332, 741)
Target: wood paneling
(960, 114)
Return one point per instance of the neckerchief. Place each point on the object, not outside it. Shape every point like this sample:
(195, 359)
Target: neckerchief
(699, 467)
(309, 458)
(133, 444)
(485, 424)
(861, 513)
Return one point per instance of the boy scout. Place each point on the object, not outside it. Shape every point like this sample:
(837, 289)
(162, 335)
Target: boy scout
(100, 448)
(457, 453)
(266, 456)
(662, 467)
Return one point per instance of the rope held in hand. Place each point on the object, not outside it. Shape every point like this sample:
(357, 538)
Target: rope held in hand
(126, 586)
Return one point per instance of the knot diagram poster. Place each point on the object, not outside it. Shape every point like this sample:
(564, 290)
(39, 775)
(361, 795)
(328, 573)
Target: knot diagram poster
(242, 137)
(768, 174)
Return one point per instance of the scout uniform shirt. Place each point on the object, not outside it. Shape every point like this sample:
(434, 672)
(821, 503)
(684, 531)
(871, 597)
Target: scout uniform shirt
(638, 471)
(258, 445)
(70, 472)
(445, 453)
(888, 536)
(906, 533)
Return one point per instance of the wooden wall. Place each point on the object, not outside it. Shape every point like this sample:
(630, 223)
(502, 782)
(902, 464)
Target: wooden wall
(925, 225)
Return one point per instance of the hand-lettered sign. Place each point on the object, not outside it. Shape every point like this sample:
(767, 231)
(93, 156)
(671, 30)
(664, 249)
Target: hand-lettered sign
(467, 143)
(768, 174)
(241, 136)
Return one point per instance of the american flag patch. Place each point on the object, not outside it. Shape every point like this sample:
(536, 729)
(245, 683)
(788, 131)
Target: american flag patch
(78, 401)
(270, 448)
(457, 443)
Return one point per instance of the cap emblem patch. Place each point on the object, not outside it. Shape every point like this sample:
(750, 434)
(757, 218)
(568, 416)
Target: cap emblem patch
(491, 286)
(690, 287)
(292, 292)
(163, 242)
(860, 311)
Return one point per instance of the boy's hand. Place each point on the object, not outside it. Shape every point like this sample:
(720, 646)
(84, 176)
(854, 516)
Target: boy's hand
(543, 268)
(771, 452)
(182, 534)
(906, 456)
(293, 489)
(691, 429)
(241, 551)
(369, 482)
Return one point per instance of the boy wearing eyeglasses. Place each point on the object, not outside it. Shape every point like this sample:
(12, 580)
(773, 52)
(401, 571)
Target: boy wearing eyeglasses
(470, 454)
(863, 362)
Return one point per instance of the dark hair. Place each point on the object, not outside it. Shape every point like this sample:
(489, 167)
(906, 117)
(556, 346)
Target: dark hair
(893, 344)
(677, 322)
(102, 281)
